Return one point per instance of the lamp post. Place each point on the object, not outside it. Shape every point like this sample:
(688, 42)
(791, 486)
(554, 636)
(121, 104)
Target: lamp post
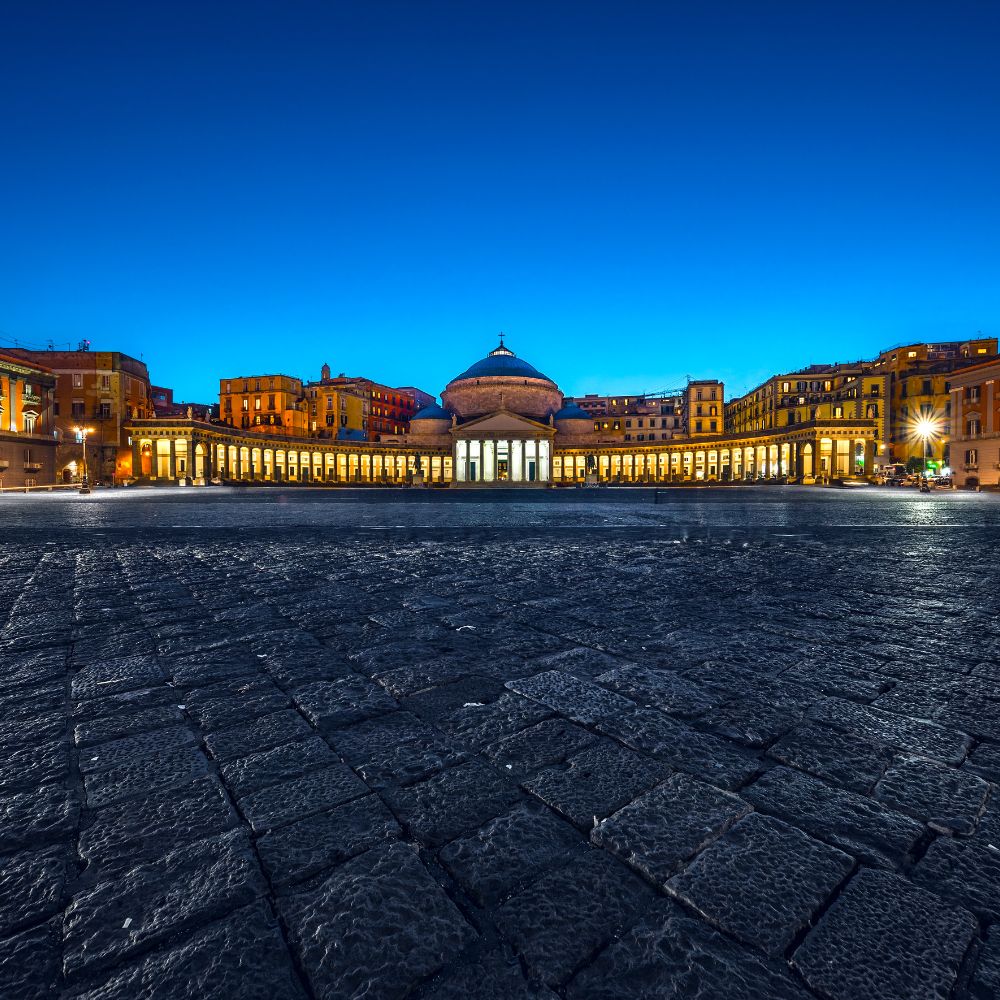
(82, 433)
(925, 430)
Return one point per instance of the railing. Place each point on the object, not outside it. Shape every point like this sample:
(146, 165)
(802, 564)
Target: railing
(30, 397)
(32, 466)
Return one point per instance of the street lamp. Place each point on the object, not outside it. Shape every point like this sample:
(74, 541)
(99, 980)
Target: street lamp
(925, 428)
(81, 433)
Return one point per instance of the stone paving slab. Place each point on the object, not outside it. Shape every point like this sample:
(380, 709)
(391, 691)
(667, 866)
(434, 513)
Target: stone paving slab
(595, 783)
(857, 825)
(287, 754)
(885, 939)
(144, 907)
(947, 799)
(662, 829)
(762, 882)
(400, 924)
(244, 955)
(670, 955)
(558, 923)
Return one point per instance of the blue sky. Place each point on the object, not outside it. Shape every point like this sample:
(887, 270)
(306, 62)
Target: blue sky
(634, 192)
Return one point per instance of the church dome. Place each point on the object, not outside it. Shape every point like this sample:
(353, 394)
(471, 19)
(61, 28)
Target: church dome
(573, 412)
(432, 412)
(503, 363)
(502, 381)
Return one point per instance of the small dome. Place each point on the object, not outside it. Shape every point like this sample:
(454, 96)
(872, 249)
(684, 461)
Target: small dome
(573, 412)
(432, 412)
(351, 434)
(502, 363)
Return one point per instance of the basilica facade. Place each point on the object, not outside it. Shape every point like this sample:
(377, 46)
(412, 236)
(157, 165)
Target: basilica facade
(501, 423)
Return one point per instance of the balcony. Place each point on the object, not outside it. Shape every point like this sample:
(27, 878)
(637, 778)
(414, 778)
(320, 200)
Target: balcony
(31, 397)
(32, 466)
(4, 465)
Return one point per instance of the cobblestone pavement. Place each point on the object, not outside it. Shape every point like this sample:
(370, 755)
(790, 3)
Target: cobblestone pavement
(738, 746)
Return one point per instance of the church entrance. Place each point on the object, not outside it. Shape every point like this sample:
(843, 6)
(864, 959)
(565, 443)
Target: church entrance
(503, 461)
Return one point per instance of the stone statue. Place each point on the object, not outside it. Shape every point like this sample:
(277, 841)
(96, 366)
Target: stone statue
(190, 412)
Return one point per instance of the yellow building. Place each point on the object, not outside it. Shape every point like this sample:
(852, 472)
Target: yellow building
(705, 408)
(918, 382)
(337, 410)
(825, 393)
(275, 404)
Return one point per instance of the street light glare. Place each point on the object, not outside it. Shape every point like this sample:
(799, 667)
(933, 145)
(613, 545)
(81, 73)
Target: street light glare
(926, 428)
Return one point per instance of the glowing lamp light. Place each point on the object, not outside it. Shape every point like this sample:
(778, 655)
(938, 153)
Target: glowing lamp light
(925, 428)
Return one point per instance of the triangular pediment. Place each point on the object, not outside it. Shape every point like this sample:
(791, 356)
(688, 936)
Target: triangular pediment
(501, 421)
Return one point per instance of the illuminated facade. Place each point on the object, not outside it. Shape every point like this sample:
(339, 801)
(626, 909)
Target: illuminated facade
(271, 404)
(644, 417)
(825, 393)
(102, 391)
(27, 443)
(918, 385)
(974, 451)
(504, 423)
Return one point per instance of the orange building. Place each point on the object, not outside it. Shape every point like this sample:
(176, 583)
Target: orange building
(101, 391)
(27, 441)
(974, 448)
(275, 404)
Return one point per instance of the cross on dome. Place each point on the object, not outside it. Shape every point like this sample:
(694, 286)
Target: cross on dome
(503, 349)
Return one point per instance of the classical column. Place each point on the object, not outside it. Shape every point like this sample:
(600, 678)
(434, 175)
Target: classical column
(171, 461)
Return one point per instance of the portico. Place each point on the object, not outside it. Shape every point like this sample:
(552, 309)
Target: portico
(505, 448)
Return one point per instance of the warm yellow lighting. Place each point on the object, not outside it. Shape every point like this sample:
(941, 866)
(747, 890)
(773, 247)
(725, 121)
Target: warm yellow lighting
(925, 428)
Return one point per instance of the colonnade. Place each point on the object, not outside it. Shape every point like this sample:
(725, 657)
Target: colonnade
(822, 457)
(168, 451)
(504, 460)
(170, 458)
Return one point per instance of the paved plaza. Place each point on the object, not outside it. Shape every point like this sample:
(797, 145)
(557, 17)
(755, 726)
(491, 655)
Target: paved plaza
(597, 745)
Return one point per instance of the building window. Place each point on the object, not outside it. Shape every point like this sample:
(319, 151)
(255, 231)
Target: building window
(697, 426)
(911, 354)
(246, 404)
(972, 457)
(105, 381)
(105, 411)
(77, 407)
(256, 402)
(838, 413)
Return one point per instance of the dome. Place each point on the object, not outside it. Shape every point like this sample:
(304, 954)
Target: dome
(501, 363)
(573, 412)
(432, 412)
(502, 381)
